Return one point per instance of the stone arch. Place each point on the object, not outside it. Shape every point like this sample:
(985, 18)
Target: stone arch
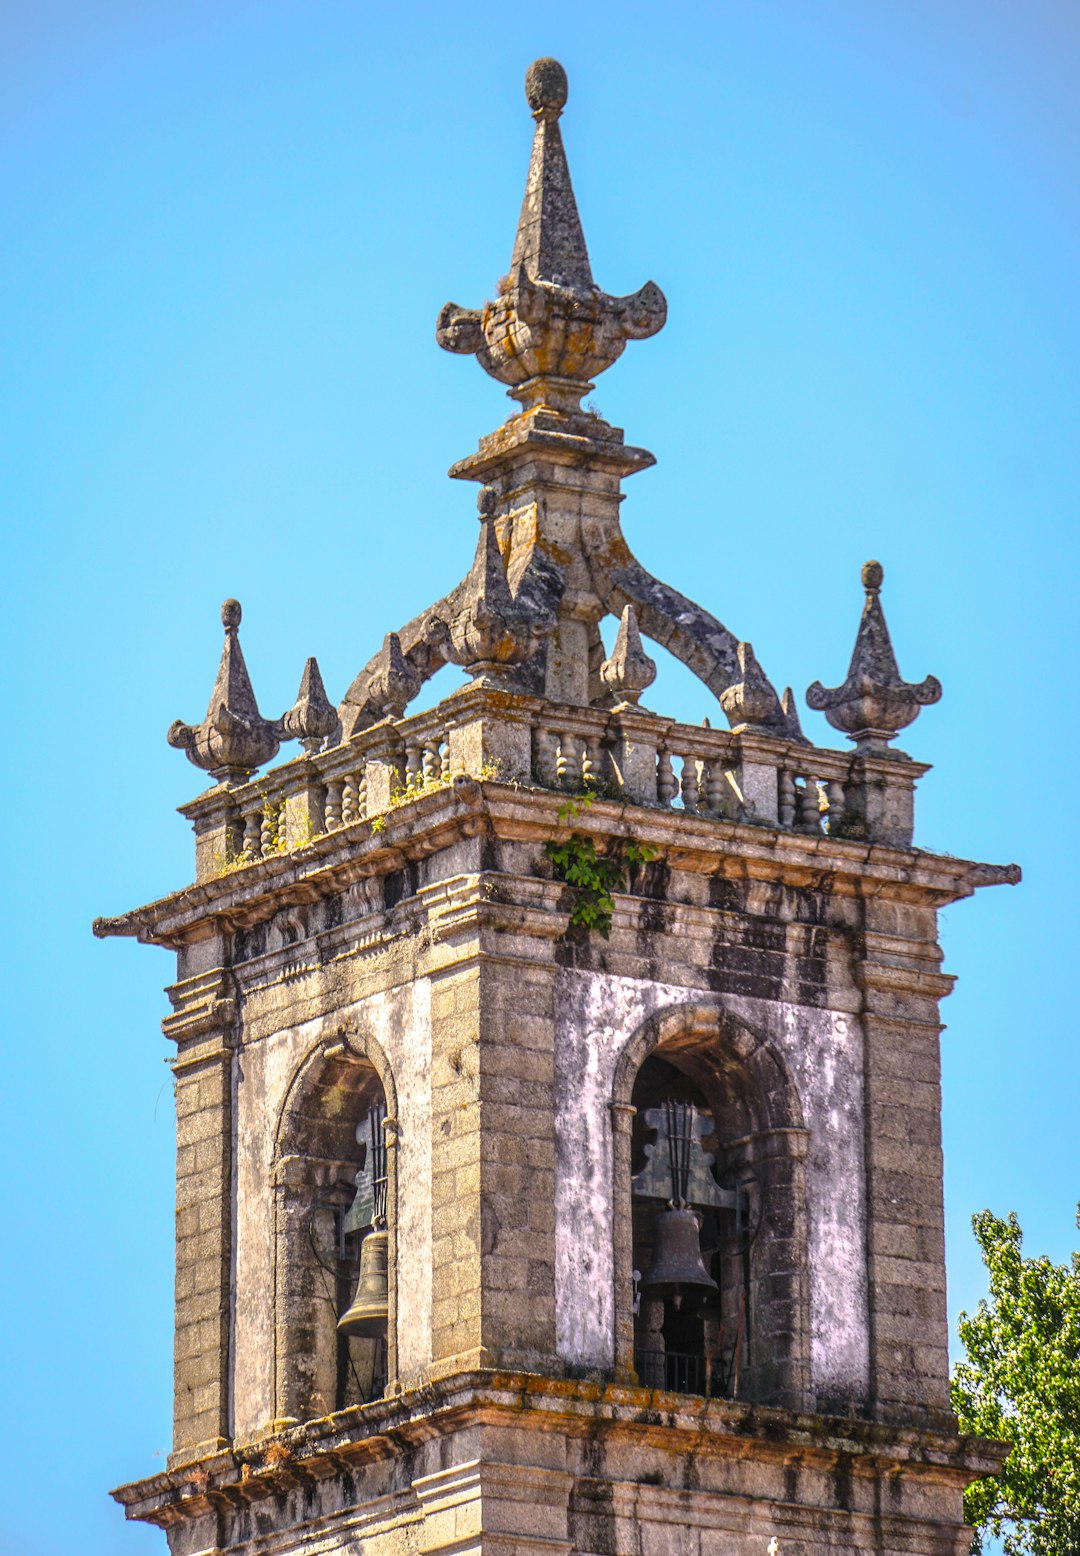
(316, 1155)
(760, 1137)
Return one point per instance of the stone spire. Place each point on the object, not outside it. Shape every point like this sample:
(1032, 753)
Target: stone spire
(556, 470)
(234, 738)
(550, 242)
(875, 702)
(550, 330)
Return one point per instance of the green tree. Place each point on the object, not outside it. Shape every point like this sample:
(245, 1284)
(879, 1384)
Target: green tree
(1021, 1383)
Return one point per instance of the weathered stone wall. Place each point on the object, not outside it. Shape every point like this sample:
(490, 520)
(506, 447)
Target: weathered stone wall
(503, 1035)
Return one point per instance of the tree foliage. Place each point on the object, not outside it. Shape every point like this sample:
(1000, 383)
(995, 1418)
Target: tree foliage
(1021, 1383)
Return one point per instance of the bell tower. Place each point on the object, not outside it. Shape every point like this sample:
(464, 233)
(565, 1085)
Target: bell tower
(558, 1111)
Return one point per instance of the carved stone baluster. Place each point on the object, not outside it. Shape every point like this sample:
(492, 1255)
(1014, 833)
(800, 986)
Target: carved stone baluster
(564, 760)
(665, 778)
(596, 758)
(787, 798)
(267, 829)
(349, 811)
(539, 753)
(835, 792)
(808, 806)
(413, 777)
(591, 760)
(361, 797)
(549, 756)
(334, 790)
(714, 785)
(253, 834)
(689, 784)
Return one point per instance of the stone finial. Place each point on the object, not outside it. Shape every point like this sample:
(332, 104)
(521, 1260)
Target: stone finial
(394, 683)
(751, 701)
(234, 739)
(312, 716)
(874, 703)
(551, 329)
(491, 633)
(629, 671)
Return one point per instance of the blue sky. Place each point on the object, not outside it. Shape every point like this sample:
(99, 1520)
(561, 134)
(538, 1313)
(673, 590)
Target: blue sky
(229, 228)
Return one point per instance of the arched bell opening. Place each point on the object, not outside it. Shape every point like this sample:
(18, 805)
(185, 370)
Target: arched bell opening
(335, 1256)
(711, 1242)
(693, 1227)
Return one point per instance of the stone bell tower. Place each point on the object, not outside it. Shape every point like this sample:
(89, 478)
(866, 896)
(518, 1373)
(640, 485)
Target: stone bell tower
(559, 1158)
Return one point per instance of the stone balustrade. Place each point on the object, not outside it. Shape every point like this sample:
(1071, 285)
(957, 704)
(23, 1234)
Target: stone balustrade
(742, 777)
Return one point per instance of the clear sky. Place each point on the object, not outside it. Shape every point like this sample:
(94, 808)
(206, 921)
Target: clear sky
(229, 226)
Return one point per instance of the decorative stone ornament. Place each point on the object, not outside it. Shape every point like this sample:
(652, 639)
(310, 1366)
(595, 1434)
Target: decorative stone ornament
(629, 671)
(312, 716)
(557, 469)
(874, 703)
(234, 739)
(394, 683)
(751, 700)
(492, 633)
(551, 329)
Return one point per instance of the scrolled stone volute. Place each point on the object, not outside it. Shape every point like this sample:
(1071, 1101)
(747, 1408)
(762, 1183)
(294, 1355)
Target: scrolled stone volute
(629, 671)
(492, 633)
(312, 717)
(234, 739)
(394, 683)
(550, 330)
(875, 702)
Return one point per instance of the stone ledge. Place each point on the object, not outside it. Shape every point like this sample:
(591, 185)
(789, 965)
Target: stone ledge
(317, 1450)
(435, 821)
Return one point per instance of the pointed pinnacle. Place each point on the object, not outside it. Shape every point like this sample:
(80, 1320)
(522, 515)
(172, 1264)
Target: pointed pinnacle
(629, 670)
(312, 717)
(750, 702)
(234, 738)
(875, 702)
(550, 242)
(550, 330)
(394, 683)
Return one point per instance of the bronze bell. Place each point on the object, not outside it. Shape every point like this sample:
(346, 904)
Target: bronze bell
(677, 1270)
(370, 1307)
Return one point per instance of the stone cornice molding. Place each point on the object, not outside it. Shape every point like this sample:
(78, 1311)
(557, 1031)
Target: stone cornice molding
(254, 1472)
(700, 844)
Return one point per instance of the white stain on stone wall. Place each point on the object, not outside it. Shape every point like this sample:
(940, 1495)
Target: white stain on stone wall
(597, 1015)
(405, 1020)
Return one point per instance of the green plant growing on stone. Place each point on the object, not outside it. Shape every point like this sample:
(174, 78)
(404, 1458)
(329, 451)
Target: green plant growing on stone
(1020, 1382)
(594, 877)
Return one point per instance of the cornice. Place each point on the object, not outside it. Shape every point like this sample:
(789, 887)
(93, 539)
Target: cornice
(252, 893)
(293, 1456)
